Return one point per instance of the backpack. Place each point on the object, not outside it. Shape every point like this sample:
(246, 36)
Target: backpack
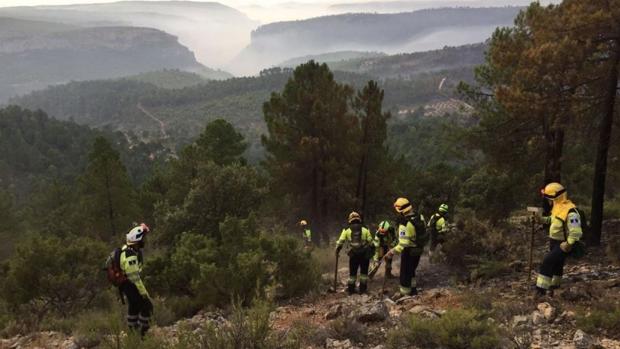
(356, 237)
(115, 274)
(421, 234)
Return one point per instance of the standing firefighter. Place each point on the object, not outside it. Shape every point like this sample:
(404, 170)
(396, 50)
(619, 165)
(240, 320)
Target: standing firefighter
(306, 233)
(124, 267)
(411, 240)
(438, 227)
(385, 239)
(564, 232)
(359, 240)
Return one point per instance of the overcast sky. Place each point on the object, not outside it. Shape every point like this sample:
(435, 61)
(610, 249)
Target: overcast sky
(4, 3)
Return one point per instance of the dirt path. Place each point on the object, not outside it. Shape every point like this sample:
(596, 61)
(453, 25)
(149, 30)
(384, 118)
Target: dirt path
(162, 125)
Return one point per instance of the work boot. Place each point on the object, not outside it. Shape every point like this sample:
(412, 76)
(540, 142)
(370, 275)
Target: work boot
(414, 291)
(539, 293)
(351, 289)
(363, 288)
(388, 274)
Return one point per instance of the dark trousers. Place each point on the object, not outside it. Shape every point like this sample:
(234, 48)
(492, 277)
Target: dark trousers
(358, 261)
(552, 266)
(139, 308)
(408, 264)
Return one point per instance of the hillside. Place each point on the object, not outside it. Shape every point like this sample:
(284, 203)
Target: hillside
(408, 5)
(415, 64)
(331, 57)
(391, 33)
(198, 25)
(31, 60)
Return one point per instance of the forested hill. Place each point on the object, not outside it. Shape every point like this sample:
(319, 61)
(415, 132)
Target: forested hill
(34, 55)
(391, 33)
(415, 64)
(123, 104)
(35, 148)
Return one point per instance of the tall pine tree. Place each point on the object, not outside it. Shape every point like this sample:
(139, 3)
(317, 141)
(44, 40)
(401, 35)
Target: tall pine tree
(108, 199)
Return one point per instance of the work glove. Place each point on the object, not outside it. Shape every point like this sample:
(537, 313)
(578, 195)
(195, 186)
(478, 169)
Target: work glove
(389, 255)
(566, 247)
(338, 248)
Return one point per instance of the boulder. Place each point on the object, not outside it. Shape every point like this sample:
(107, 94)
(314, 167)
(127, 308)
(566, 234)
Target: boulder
(547, 310)
(334, 312)
(520, 320)
(371, 312)
(336, 344)
(582, 340)
(538, 318)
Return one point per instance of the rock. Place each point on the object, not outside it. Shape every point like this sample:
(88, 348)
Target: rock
(582, 340)
(371, 313)
(336, 344)
(334, 312)
(380, 346)
(538, 318)
(519, 320)
(547, 310)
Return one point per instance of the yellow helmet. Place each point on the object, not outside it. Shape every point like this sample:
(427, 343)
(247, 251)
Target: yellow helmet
(402, 206)
(354, 216)
(303, 222)
(553, 190)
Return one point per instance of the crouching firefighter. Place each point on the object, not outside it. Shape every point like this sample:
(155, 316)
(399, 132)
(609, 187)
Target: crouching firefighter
(411, 240)
(124, 267)
(438, 226)
(359, 240)
(565, 231)
(385, 239)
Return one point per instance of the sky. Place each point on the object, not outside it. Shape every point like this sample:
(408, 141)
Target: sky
(5, 3)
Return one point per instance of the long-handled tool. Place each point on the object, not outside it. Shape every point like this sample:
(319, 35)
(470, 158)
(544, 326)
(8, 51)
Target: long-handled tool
(385, 277)
(534, 211)
(335, 289)
(374, 269)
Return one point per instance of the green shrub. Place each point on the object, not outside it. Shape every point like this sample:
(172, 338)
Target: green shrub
(48, 275)
(456, 329)
(485, 249)
(243, 264)
(600, 318)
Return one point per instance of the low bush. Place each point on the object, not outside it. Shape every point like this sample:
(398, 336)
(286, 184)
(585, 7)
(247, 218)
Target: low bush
(456, 329)
(603, 317)
(49, 276)
(485, 249)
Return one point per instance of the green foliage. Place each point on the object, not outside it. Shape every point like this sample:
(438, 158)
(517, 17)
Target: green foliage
(247, 328)
(48, 275)
(456, 329)
(602, 318)
(108, 198)
(482, 247)
(244, 263)
(221, 143)
(169, 78)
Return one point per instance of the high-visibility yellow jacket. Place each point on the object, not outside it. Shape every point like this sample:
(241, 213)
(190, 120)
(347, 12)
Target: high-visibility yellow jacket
(131, 265)
(565, 228)
(355, 243)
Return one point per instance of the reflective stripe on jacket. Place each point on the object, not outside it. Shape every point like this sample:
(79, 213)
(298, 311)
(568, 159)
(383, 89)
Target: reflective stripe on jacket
(131, 265)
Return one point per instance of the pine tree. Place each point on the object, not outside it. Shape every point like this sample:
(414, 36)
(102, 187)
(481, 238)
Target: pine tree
(107, 197)
(221, 143)
(313, 138)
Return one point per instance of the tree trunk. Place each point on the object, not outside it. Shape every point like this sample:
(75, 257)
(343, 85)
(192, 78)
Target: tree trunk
(553, 160)
(600, 168)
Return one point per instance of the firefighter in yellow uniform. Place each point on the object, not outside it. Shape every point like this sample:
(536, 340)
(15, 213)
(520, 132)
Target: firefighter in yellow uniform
(361, 249)
(564, 231)
(139, 302)
(411, 240)
(306, 233)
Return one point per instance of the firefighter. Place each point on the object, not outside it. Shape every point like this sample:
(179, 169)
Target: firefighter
(385, 239)
(565, 231)
(411, 240)
(306, 233)
(139, 302)
(438, 226)
(360, 245)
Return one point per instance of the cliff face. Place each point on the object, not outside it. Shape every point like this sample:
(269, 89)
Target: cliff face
(31, 60)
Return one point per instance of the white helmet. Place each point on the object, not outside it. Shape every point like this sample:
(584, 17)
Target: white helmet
(136, 235)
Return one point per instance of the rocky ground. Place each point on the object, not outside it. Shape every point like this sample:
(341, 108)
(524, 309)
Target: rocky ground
(528, 322)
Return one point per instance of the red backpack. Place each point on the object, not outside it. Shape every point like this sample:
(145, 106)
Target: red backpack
(116, 276)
